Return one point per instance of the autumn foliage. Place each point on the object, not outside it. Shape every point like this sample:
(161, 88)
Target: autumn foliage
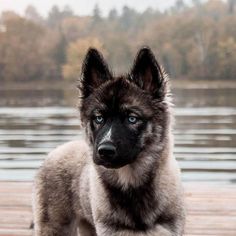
(192, 42)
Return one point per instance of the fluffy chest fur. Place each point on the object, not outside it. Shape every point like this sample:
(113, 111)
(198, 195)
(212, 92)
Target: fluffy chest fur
(132, 206)
(139, 204)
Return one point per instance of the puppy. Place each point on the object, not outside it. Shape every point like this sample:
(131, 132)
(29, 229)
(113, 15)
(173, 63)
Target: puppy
(123, 180)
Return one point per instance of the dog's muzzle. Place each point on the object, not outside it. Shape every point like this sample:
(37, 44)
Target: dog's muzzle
(107, 151)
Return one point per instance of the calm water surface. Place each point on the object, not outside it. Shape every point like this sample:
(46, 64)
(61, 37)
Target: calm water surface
(205, 134)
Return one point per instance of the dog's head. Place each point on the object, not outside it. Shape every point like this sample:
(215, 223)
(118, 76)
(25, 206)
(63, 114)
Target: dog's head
(123, 116)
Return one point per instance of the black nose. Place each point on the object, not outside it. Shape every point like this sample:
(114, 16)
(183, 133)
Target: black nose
(107, 150)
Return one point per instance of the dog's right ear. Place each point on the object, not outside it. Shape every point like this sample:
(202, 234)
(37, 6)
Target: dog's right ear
(95, 71)
(148, 74)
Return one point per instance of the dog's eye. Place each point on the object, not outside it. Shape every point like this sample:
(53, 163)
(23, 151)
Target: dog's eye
(132, 119)
(99, 119)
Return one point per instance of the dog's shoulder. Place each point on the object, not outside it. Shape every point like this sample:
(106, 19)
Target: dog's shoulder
(64, 161)
(53, 191)
(70, 151)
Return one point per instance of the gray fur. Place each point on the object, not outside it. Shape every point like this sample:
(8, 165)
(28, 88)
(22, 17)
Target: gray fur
(74, 196)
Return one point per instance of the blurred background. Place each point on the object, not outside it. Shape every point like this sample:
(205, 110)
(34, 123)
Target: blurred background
(42, 45)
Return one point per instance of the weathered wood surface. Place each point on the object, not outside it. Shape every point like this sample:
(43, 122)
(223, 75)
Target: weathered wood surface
(211, 209)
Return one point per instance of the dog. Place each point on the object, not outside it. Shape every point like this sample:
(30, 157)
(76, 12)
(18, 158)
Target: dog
(123, 179)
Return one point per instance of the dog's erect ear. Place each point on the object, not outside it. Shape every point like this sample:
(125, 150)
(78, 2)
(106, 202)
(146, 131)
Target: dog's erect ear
(95, 71)
(148, 75)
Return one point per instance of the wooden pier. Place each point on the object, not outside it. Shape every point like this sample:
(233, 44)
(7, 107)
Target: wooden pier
(211, 209)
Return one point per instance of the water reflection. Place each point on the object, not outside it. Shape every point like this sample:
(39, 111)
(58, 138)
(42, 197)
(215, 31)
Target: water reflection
(210, 97)
(205, 136)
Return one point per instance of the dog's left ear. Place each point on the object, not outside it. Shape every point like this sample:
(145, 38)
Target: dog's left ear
(148, 75)
(95, 71)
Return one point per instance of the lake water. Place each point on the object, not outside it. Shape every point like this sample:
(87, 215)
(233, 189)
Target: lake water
(205, 132)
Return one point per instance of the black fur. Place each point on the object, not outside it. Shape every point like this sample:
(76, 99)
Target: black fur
(114, 99)
(95, 72)
(148, 75)
(136, 202)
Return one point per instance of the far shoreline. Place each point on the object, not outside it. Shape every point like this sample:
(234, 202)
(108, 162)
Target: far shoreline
(72, 85)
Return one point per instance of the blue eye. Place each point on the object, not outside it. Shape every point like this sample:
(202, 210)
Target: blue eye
(132, 119)
(99, 119)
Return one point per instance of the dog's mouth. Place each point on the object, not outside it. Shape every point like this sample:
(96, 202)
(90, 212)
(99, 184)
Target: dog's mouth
(113, 163)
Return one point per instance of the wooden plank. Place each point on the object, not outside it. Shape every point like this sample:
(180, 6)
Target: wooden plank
(15, 232)
(211, 209)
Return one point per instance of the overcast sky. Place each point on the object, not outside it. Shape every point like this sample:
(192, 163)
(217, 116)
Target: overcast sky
(84, 7)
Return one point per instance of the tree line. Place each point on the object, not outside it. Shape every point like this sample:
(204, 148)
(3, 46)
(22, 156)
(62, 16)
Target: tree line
(192, 42)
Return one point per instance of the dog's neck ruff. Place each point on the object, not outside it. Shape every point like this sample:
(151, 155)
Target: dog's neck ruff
(137, 173)
(132, 175)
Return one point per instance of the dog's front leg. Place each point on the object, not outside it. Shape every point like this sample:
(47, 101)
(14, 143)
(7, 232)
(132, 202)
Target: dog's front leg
(53, 229)
(53, 210)
(159, 230)
(85, 228)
